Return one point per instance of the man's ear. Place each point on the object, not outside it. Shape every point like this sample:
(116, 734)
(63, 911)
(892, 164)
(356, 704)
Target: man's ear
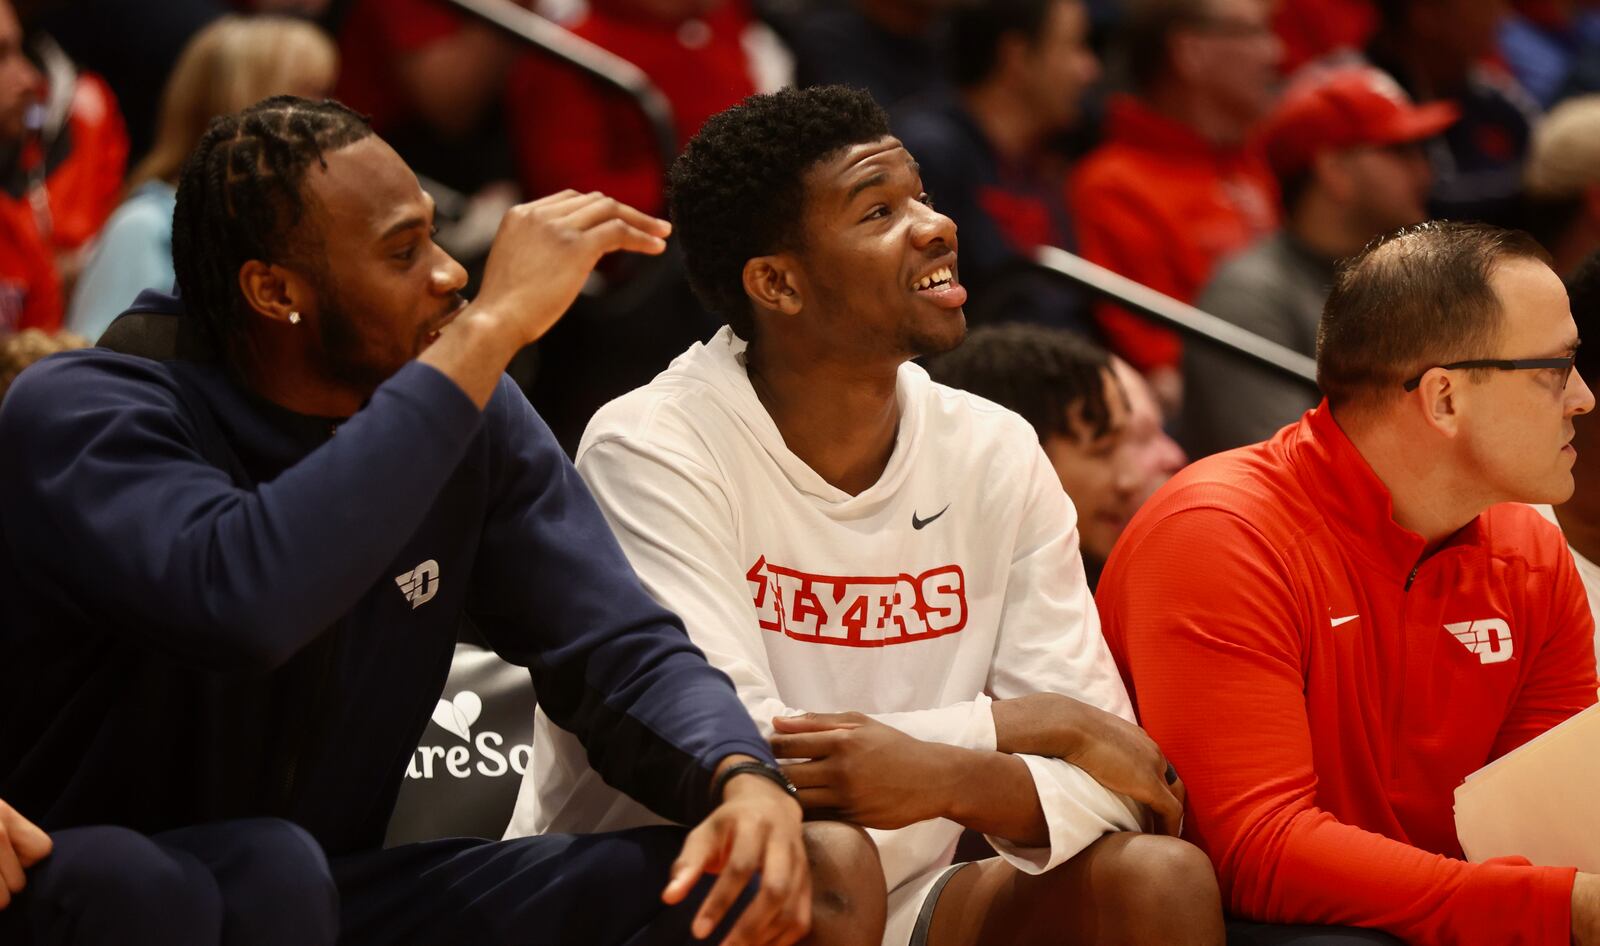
(773, 284)
(276, 292)
(1441, 400)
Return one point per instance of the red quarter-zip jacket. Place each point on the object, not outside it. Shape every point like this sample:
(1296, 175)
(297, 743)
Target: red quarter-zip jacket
(1159, 204)
(1323, 687)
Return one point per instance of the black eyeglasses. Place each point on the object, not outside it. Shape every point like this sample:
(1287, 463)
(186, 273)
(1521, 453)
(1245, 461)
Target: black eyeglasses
(1502, 364)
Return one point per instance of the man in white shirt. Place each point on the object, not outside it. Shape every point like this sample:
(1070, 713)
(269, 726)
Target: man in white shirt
(887, 568)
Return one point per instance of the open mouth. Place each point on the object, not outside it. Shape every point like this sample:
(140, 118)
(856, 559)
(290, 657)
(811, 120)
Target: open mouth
(438, 328)
(940, 287)
(938, 279)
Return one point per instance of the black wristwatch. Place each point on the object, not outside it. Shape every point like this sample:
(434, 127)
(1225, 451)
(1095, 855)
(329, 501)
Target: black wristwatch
(770, 772)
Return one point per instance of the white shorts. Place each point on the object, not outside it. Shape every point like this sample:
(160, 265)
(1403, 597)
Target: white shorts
(911, 906)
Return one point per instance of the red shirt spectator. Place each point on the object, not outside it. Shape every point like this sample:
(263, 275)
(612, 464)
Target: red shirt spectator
(569, 131)
(1310, 29)
(55, 198)
(1160, 204)
(1270, 587)
(374, 35)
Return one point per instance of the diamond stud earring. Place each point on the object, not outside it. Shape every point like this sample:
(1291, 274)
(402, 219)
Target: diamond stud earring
(294, 318)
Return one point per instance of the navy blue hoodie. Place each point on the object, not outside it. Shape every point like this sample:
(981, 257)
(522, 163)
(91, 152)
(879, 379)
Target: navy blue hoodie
(211, 607)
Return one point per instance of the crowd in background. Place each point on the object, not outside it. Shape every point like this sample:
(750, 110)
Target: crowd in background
(1224, 152)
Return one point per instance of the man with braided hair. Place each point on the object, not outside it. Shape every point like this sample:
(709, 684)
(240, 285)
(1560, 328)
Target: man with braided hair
(886, 567)
(231, 580)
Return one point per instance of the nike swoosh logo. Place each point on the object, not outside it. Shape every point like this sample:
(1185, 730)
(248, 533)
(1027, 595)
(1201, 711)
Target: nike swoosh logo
(919, 523)
(1344, 620)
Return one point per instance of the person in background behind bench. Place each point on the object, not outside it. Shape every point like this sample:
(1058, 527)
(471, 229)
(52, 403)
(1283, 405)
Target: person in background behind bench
(231, 581)
(1346, 145)
(1579, 517)
(234, 62)
(1561, 203)
(1177, 184)
(1066, 388)
(1330, 630)
(63, 149)
(1021, 69)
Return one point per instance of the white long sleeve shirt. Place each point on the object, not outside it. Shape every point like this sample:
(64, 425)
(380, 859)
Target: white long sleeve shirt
(953, 580)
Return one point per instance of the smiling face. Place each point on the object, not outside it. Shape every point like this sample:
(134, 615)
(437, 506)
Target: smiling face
(380, 288)
(874, 274)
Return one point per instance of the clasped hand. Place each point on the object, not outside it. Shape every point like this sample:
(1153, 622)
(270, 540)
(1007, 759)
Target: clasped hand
(851, 767)
(1115, 752)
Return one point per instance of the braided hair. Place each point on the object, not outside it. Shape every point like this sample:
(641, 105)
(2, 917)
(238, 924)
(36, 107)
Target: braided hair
(240, 196)
(1041, 373)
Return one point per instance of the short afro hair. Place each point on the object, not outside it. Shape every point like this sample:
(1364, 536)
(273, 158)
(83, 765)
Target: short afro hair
(1047, 375)
(736, 192)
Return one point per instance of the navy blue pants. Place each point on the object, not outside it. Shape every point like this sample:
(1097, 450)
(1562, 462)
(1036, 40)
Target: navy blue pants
(266, 883)
(243, 883)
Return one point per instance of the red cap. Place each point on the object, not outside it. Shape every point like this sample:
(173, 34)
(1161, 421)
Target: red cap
(1347, 107)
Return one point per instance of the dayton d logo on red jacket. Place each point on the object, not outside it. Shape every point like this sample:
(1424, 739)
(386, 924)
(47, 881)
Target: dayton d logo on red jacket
(858, 611)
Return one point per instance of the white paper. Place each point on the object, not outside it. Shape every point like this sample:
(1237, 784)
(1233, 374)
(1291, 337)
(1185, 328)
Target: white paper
(1540, 801)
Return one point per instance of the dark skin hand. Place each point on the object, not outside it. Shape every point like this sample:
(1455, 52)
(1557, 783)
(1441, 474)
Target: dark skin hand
(757, 827)
(859, 770)
(1115, 752)
(873, 775)
(22, 845)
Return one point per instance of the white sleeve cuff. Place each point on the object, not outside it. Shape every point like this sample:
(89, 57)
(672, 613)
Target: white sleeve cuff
(963, 725)
(1077, 811)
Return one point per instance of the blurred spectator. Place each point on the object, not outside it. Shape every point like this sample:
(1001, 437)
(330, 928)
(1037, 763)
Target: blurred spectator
(429, 77)
(1311, 29)
(1553, 48)
(569, 131)
(1020, 68)
(1579, 517)
(1347, 148)
(1439, 50)
(62, 153)
(1066, 388)
(234, 62)
(1154, 455)
(1563, 182)
(132, 44)
(1174, 188)
(21, 349)
(895, 49)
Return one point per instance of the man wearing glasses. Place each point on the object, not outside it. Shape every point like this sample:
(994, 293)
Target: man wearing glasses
(1328, 631)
